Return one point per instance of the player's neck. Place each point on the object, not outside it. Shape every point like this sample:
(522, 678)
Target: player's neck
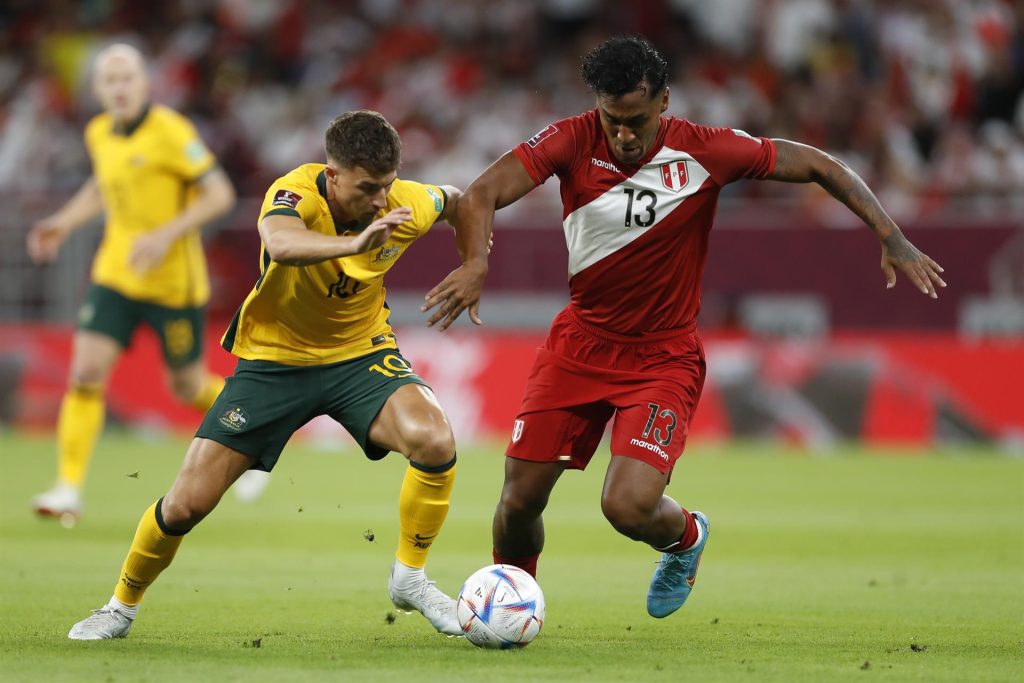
(342, 223)
(126, 124)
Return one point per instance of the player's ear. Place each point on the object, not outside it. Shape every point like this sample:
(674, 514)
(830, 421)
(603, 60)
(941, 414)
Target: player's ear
(664, 99)
(330, 172)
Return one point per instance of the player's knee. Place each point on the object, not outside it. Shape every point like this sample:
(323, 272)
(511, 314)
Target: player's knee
(517, 504)
(87, 377)
(626, 517)
(181, 513)
(430, 445)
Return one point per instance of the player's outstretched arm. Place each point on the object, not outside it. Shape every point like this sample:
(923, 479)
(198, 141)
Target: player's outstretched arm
(45, 237)
(797, 163)
(215, 198)
(288, 241)
(504, 182)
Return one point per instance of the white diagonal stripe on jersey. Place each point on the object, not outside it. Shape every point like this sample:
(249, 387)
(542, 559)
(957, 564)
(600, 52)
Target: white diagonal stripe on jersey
(599, 229)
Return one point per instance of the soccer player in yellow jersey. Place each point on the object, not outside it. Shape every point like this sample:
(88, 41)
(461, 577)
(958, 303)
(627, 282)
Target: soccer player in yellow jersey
(157, 183)
(313, 339)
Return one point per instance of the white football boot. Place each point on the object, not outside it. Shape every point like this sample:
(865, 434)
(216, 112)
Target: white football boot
(62, 501)
(423, 596)
(106, 623)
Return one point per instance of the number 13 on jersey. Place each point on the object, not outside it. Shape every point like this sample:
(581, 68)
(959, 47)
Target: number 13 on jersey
(644, 201)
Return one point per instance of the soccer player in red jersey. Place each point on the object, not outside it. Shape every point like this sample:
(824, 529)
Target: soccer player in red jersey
(639, 191)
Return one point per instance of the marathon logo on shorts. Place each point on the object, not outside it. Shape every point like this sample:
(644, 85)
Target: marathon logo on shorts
(651, 447)
(234, 419)
(542, 135)
(673, 175)
(517, 431)
(286, 198)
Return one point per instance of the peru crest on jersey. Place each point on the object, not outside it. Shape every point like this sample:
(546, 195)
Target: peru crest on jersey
(673, 175)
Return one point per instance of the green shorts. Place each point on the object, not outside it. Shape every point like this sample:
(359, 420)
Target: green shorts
(264, 403)
(112, 314)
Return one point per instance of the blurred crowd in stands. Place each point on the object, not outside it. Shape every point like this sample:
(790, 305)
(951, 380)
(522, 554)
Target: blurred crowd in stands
(922, 97)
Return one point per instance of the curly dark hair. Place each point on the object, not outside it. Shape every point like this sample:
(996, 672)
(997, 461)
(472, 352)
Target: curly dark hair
(621, 64)
(364, 138)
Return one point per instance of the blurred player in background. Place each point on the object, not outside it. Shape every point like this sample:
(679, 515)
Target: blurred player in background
(639, 192)
(313, 339)
(158, 184)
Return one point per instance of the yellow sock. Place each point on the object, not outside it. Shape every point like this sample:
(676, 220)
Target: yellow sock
(78, 427)
(422, 507)
(152, 551)
(209, 393)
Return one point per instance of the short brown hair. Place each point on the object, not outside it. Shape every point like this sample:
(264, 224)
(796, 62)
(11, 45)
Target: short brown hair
(364, 138)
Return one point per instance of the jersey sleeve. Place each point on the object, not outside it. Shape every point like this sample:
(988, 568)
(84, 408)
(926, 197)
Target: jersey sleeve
(551, 151)
(187, 154)
(426, 201)
(289, 198)
(730, 154)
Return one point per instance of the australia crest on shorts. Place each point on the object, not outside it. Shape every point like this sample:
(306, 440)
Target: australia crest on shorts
(234, 419)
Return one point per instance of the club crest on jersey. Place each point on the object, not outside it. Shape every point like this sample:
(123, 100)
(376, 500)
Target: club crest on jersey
(673, 175)
(286, 198)
(386, 254)
(543, 135)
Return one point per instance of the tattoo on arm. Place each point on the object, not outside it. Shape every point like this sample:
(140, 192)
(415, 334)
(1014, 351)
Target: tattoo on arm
(846, 186)
(796, 163)
(899, 247)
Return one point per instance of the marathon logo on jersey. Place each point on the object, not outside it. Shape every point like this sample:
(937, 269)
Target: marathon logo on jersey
(651, 447)
(542, 135)
(673, 175)
(286, 198)
(517, 431)
(606, 165)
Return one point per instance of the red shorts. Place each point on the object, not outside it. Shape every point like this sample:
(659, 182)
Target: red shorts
(584, 375)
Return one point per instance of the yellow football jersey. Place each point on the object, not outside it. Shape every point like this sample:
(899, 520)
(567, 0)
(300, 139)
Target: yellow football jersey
(333, 310)
(146, 174)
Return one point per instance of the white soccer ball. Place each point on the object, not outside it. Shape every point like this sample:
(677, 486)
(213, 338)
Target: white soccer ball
(500, 606)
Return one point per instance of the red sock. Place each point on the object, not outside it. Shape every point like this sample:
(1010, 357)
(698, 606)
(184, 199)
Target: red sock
(688, 538)
(527, 564)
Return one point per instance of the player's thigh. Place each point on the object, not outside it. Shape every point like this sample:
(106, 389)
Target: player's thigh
(210, 468)
(528, 485)
(180, 331)
(386, 407)
(188, 380)
(93, 357)
(261, 406)
(413, 423)
(653, 417)
(106, 322)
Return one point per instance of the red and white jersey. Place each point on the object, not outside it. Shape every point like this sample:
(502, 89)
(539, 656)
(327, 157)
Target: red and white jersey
(638, 234)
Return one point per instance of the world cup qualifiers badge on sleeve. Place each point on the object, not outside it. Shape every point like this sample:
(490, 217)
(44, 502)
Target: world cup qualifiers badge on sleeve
(287, 198)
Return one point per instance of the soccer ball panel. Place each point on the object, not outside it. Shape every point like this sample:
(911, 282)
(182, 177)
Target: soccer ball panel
(500, 606)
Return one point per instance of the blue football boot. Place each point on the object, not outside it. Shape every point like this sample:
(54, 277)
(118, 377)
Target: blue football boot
(676, 573)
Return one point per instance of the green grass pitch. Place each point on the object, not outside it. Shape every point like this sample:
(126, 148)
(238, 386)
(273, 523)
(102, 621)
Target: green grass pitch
(848, 567)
